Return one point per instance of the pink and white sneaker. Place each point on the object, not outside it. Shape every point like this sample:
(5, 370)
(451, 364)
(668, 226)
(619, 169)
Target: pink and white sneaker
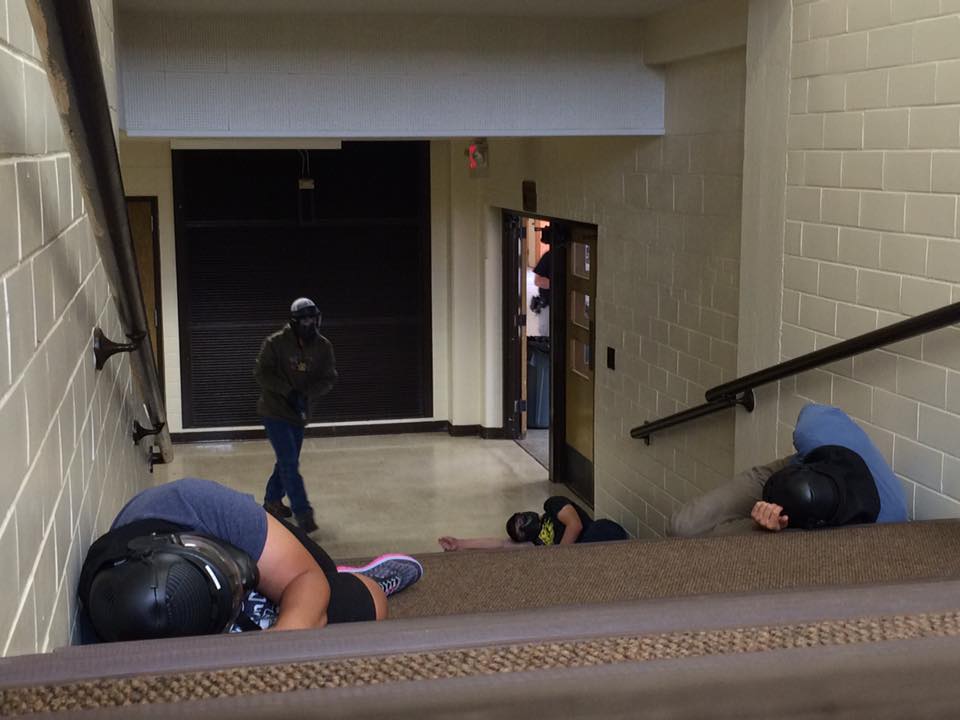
(391, 572)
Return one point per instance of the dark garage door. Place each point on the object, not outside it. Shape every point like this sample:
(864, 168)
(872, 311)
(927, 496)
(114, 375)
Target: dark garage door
(251, 237)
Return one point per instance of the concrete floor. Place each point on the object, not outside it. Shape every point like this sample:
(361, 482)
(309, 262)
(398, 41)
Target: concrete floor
(387, 493)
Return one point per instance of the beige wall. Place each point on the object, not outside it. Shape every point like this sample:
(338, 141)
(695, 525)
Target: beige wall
(64, 428)
(872, 226)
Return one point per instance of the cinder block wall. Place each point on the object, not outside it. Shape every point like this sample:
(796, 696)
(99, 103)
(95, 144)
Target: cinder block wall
(872, 226)
(69, 463)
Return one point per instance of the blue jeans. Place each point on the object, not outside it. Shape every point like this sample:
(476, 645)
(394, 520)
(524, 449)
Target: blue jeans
(286, 439)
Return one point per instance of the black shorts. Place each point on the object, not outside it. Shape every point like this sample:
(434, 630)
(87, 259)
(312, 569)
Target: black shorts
(350, 600)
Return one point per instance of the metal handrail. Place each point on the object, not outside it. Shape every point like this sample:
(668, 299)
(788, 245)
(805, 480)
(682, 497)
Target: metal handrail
(740, 390)
(644, 431)
(903, 330)
(67, 39)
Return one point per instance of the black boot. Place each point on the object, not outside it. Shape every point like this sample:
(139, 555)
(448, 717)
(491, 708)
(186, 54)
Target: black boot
(306, 522)
(277, 509)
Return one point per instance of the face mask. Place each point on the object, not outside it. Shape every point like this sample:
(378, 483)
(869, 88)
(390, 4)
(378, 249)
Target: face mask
(305, 328)
(524, 527)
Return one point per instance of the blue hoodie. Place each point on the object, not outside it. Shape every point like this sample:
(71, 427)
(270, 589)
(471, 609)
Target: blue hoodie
(824, 425)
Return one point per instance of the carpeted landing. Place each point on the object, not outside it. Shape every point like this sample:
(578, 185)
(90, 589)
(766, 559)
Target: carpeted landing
(487, 581)
(856, 622)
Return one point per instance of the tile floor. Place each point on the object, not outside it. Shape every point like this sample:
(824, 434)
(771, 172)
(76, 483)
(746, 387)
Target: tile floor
(387, 493)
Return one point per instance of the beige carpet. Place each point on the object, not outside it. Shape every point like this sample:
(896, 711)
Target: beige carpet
(488, 581)
(460, 663)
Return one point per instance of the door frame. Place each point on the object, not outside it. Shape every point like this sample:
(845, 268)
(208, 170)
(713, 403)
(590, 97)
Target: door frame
(511, 334)
(158, 290)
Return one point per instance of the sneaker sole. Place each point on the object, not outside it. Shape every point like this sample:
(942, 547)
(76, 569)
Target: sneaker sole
(377, 561)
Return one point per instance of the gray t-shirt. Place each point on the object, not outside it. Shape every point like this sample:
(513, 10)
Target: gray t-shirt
(205, 507)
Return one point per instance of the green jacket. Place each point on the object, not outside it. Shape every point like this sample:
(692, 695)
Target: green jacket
(284, 366)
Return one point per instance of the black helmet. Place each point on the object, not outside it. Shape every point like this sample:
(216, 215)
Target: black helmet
(304, 319)
(170, 585)
(830, 486)
(303, 307)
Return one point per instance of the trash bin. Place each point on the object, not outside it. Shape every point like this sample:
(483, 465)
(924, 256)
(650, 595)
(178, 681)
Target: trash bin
(538, 383)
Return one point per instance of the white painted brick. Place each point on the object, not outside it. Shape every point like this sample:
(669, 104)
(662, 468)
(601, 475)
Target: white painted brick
(49, 198)
(676, 153)
(803, 203)
(951, 476)
(953, 395)
(891, 46)
(841, 207)
(886, 129)
(937, 39)
(818, 314)
(43, 290)
(855, 398)
(946, 171)
(796, 341)
(28, 193)
(895, 413)
(853, 320)
(22, 337)
(868, 14)
(816, 386)
(822, 168)
(933, 506)
(948, 82)
(877, 368)
(882, 211)
(819, 241)
(809, 58)
(842, 131)
(799, 90)
(64, 193)
(907, 171)
(860, 247)
(722, 195)
(903, 253)
(649, 155)
(838, 282)
(796, 162)
(922, 381)
(866, 90)
(906, 10)
(863, 170)
(9, 590)
(801, 23)
(942, 347)
(847, 53)
(917, 462)
(912, 347)
(828, 18)
(35, 91)
(20, 28)
(23, 637)
(12, 114)
(827, 93)
(688, 194)
(791, 306)
(805, 131)
(45, 583)
(912, 85)
(791, 245)
(936, 127)
(660, 192)
(943, 260)
(931, 214)
(800, 274)
(919, 296)
(939, 429)
(879, 290)
(9, 211)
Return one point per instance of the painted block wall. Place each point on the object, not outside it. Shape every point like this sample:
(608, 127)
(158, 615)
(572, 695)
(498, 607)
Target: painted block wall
(363, 76)
(69, 460)
(872, 233)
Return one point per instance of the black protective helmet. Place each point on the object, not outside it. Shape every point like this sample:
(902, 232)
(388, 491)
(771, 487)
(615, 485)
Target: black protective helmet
(303, 307)
(170, 585)
(830, 486)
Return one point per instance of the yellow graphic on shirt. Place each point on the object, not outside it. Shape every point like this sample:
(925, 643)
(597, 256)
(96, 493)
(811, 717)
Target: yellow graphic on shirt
(547, 533)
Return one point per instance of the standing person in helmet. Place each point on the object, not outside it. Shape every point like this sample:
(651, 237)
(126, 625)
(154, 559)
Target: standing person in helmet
(295, 363)
(193, 557)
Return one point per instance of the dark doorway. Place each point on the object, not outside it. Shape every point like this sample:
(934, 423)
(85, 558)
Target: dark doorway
(549, 344)
(144, 229)
(348, 228)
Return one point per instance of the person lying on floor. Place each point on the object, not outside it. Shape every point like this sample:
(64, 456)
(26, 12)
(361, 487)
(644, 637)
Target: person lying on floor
(563, 523)
(837, 477)
(193, 557)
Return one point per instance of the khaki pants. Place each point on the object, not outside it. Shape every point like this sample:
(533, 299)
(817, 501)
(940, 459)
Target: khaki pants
(725, 510)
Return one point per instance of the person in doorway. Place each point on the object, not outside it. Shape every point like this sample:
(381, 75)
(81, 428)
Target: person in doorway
(563, 522)
(193, 557)
(837, 477)
(295, 363)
